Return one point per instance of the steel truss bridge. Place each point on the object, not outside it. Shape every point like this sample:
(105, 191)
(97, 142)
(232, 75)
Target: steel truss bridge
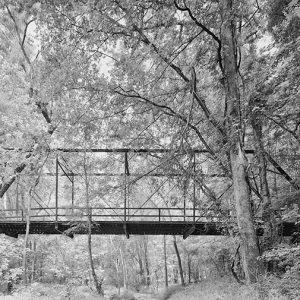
(132, 196)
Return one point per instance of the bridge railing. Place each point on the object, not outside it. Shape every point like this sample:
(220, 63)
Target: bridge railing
(98, 213)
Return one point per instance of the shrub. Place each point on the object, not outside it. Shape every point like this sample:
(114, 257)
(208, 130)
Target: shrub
(286, 271)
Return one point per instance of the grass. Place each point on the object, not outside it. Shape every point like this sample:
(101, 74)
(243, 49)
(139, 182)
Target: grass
(212, 289)
(43, 291)
(168, 292)
(219, 289)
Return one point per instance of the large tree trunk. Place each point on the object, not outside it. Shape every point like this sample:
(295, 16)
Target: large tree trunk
(250, 249)
(179, 261)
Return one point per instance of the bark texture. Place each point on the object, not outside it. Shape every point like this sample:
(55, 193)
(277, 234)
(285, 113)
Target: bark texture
(179, 261)
(146, 261)
(249, 249)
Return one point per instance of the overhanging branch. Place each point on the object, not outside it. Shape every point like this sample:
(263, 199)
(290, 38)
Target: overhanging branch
(169, 111)
(204, 28)
(282, 172)
(178, 70)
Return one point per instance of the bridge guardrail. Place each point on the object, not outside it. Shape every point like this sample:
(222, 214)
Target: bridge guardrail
(98, 213)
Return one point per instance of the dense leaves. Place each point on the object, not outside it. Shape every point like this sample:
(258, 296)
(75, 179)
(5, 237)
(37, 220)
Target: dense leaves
(176, 75)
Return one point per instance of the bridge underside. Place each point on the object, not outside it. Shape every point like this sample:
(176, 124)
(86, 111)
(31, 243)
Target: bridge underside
(113, 227)
(130, 228)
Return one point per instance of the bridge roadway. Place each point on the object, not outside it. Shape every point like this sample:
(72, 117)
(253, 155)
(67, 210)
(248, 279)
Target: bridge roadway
(117, 221)
(13, 228)
(71, 228)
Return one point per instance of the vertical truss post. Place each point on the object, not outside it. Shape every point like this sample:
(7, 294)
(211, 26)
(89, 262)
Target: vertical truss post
(72, 199)
(56, 188)
(17, 200)
(194, 189)
(184, 207)
(125, 187)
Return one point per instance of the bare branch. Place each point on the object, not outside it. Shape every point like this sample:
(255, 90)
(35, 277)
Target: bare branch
(21, 40)
(282, 172)
(293, 133)
(169, 111)
(204, 28)
(199, 100)
(25, 31)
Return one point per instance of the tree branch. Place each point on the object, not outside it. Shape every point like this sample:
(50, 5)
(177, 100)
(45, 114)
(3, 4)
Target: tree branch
(282, 172)
(199, 100)
(169, 111)
(204, 28)
(25, 31)
(293, 133)
(21, 40)
(5, 186)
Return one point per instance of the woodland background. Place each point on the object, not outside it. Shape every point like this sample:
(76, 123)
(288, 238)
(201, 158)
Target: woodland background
(180, 75)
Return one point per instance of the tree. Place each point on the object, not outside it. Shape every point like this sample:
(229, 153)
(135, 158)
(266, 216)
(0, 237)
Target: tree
(165, 263)
(180, 75)
(179, 260)
(97, 281)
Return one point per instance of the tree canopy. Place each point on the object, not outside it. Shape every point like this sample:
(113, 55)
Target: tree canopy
(221, 76)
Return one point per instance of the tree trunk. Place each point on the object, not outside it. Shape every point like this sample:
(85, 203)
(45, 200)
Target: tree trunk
(189, 265)
(34, 261)
(41, 267)
(250, 249)
(140, 261)
(165, 263)
(118, 276)
(268, 213)
(124, 269)
(175, 275)
(98, 284)
(146, 261)
(179, 261)
(24, 262)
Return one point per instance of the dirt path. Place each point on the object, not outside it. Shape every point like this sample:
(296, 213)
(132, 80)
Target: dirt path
(144, 297)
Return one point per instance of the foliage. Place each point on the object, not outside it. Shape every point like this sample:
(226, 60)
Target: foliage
(284, 262)
(217, 288)
(10, 259)
(145, 74)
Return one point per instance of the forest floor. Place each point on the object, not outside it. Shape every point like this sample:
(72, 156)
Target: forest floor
(221, 289)
(218, 289)
(209, 290)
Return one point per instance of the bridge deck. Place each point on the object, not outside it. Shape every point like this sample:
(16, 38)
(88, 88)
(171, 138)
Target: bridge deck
(14, 228)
